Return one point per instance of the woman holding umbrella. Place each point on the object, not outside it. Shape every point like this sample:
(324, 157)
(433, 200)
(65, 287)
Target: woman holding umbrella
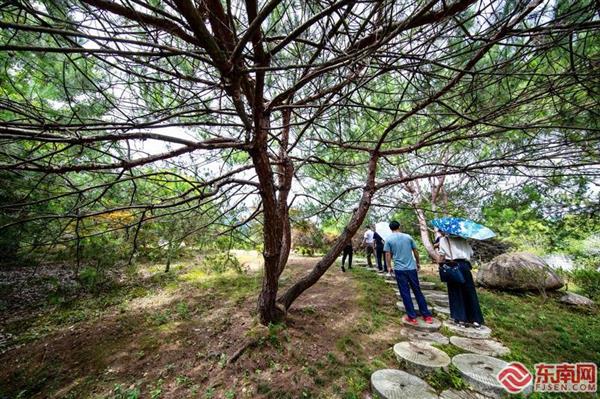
(455, 267)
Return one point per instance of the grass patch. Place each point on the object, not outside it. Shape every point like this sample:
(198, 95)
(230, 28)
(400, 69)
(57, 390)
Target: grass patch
(541, 331)
(373, 297)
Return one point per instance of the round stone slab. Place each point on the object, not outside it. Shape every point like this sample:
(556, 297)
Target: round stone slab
(422, 326)
(395, 384)
(480, 371)
(481, 346)
(423, 336)
(400, 306)
(483, 332)
(421, 358)
(455, 394)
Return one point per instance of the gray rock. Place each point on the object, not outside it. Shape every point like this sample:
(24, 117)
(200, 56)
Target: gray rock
(487, 347)
(576, 300)
(519, 271)
(398, 384)
(420, 358)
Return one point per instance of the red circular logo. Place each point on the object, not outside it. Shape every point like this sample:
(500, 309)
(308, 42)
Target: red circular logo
(514, 377)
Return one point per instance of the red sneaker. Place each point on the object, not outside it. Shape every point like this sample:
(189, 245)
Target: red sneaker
(410, 320)
(428, 319)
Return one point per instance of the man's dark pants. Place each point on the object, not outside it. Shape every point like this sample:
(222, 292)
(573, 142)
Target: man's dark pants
(369, 253)
(347, 253)
(407, 280)
(380, 258)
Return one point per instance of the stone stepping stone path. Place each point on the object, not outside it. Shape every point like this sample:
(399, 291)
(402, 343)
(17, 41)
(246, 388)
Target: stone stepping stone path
(441, 310)
(417, 355)
(430, 295)
(480, 371)
(420, 358)
(483, 332)
(396, 384)
(433, 292)
(487, 347)
(400, 306)
(412, 295)
(456, 394)
(440, 301)
(423, 336)
(422, 326)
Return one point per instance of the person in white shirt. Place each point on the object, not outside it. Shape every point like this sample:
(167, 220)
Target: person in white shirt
(369, 244)
(464, 303)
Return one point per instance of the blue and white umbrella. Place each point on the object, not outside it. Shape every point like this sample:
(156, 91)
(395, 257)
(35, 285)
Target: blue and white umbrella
(463, 228)
(383, 229)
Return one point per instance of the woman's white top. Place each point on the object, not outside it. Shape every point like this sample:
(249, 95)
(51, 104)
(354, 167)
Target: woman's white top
(458, 247)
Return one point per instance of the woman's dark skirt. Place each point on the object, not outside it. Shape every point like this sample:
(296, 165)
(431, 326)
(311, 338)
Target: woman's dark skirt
(464, 304)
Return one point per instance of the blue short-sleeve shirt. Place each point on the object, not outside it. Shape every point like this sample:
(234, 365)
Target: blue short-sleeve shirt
(401, 246)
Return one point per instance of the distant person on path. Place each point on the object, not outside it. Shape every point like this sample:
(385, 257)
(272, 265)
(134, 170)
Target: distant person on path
(464, 304)
(368, 242)
(347, 252)
(402, 249)
(379, 254)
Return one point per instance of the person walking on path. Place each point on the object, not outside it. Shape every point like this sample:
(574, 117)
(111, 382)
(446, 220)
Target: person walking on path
(402, 249)
(368, 242)
(347, 253)
(379, 254)
(462, 297)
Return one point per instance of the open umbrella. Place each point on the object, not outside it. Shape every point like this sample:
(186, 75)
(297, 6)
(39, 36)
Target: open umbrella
(463, 228)
(383, 229)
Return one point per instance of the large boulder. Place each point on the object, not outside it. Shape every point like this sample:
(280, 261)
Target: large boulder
(520, 271)
(576, 300)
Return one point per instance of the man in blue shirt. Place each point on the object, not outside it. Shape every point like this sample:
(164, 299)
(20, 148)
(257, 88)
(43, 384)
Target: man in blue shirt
(402, 249)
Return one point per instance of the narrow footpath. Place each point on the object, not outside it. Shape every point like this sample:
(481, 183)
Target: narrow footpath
(417, 357)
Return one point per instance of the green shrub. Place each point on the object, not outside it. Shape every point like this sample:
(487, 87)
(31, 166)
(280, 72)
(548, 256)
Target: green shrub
(589, 281)
(305, 251)
(90, 277)
(220, 263)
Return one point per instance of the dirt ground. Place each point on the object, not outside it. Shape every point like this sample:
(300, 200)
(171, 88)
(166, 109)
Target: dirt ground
(202, 340)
